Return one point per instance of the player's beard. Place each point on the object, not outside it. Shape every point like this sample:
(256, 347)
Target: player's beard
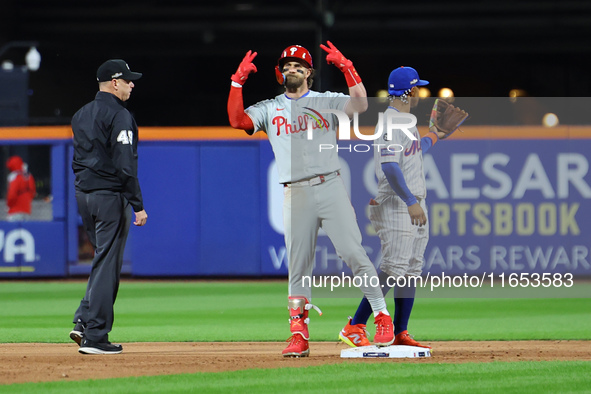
(293, 83)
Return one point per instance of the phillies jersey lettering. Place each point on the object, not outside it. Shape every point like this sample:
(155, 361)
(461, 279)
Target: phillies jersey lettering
(410, 160)
(286, 122)
(299, 125)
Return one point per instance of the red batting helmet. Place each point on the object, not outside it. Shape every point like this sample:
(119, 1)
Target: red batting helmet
(296, 52)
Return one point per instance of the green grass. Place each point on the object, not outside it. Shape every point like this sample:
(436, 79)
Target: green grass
(236, 311)
(496, 377)
(256, 311)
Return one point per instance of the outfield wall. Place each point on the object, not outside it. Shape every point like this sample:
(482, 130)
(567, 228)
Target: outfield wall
(501, 199)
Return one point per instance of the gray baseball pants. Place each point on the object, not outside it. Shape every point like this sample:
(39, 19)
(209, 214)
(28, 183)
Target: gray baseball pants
(327, 205)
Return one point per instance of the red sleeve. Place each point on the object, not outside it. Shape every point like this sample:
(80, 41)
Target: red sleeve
(12, 194)
(238, 118)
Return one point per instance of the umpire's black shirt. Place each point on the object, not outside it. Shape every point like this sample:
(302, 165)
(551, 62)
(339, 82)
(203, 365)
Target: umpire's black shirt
(105, 149)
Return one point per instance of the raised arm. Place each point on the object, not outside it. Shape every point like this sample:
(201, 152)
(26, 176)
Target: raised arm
(238, 118)
(358, 102)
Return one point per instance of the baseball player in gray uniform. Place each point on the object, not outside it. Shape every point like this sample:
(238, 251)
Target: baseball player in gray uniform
(315, 195)
(399, 212)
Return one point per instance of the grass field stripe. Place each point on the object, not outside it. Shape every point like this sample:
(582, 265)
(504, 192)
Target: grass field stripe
(528, 377)
(184, 311)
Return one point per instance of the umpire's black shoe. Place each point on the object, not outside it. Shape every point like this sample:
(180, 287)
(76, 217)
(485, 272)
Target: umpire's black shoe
(77, 334)
(89, 347)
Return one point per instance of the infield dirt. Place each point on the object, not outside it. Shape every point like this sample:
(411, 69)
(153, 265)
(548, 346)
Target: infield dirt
(42, 362)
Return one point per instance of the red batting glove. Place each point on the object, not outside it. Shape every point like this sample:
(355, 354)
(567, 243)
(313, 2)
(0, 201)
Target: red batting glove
(336, 57)
(246, 67)
(345, 65)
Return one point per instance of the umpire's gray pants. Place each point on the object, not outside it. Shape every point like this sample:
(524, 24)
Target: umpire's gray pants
(106, 217)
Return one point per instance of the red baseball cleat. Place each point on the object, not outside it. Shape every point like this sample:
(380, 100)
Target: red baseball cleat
(298, 346)
(405, 339)
(354, 335)
(298, 325)
(384, 330)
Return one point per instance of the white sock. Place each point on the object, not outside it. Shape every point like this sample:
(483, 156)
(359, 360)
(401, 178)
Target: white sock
(384, 311)
(378, 304)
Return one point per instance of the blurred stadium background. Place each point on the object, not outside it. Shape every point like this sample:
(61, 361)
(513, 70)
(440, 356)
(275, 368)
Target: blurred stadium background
(189, 49)
(210, 218)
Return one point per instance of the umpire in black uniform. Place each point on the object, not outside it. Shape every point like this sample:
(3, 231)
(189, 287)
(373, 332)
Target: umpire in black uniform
(105, 166)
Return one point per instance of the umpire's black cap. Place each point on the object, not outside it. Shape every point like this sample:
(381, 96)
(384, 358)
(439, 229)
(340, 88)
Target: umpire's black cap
(115, 69)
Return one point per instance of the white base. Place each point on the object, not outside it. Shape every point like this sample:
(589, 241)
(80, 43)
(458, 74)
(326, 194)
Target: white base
(392, 351)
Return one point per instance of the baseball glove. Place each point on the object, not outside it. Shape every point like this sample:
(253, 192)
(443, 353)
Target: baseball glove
(446, 118)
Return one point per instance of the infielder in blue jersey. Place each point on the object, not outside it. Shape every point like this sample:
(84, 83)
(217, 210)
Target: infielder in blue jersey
(398, 213)
(315, 195)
